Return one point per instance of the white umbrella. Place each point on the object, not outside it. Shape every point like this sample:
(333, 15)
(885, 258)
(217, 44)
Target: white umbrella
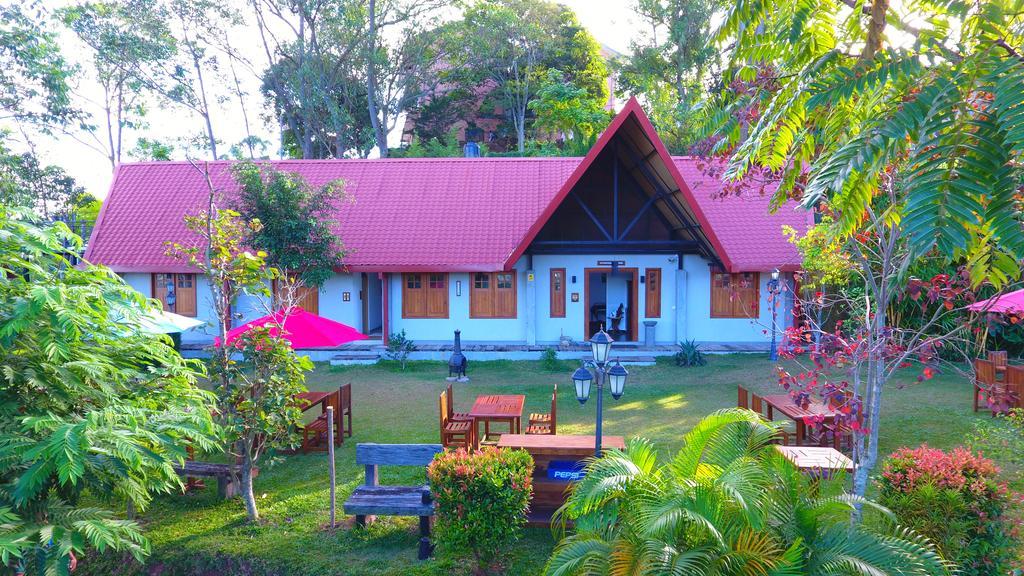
(163, 322)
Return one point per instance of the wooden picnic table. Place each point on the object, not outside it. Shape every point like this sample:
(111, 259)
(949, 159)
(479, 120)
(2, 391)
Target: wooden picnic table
(310, 399)
(498, 408)
(818, 460)
(784, 403)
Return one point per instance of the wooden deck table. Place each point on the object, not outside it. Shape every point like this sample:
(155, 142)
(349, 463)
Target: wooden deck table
(784, 404)
(818, 460)
(310, 399)
(498, 408)
(548, 494)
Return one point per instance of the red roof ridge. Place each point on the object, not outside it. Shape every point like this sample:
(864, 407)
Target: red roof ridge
(308, 161)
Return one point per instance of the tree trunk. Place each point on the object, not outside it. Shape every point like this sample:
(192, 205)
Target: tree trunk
(371, 83)
(876, 28)
(247, 492)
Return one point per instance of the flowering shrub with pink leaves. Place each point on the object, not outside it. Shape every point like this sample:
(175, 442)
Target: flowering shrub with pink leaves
(482, 498)
(954, 498)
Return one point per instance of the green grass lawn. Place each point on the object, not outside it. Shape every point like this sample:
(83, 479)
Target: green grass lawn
(661, 403)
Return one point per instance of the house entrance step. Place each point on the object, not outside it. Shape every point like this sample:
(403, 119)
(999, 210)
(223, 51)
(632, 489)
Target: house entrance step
(637, 360)
(354, 357)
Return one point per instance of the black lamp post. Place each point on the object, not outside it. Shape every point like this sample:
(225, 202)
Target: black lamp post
(598, 368)
(773, 291)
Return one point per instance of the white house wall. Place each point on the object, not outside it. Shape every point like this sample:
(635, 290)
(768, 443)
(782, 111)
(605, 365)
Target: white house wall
(685, 305)
(549, 329)
(700, 326)
(473, 329)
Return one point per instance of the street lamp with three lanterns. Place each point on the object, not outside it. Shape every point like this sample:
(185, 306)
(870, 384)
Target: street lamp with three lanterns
(600, 369)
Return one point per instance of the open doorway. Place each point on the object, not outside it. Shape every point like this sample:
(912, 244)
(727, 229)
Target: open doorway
(373, 311)
(611, 301)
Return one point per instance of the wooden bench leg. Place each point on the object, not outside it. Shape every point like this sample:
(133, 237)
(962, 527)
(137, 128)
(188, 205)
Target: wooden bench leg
(362, 521)
(426, 549)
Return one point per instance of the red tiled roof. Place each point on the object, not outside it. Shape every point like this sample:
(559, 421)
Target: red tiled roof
(441, 214)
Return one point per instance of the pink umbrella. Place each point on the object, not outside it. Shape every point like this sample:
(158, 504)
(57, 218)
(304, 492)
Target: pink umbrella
(1004, 303)
(303, 329)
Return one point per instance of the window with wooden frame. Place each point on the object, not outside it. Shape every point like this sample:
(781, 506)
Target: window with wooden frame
(558, 292)
(305, 297)
(735, 295)
(425, 295)
(493, 295)
(652, 293)
(177, 292)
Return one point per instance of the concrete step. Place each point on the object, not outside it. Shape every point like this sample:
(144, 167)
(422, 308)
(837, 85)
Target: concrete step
(350, 358)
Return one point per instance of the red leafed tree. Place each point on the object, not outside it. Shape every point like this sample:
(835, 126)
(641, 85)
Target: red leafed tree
(848, 343)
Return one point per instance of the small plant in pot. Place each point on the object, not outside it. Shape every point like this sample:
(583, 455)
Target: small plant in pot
(690, 354)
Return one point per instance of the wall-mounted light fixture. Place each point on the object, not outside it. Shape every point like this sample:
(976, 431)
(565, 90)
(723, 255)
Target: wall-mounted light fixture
(574, 279)
(458, 287)
(346, 296)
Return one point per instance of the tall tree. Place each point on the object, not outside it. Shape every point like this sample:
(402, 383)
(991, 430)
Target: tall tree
(296, 221)
(401, 58)
(46, 189)
(907, 125)
(314, 78)
(505, 48)
(90, 404)
(34, 75)
(669, 64)
(125, 37)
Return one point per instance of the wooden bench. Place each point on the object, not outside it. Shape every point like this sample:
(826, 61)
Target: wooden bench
(229, 476)
(372, 499)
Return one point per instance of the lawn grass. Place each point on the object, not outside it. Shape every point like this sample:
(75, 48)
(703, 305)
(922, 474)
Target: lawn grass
(661, 403)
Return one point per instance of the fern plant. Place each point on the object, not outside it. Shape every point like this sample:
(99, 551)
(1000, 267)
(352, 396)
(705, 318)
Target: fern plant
(727, 504)
(88, 404)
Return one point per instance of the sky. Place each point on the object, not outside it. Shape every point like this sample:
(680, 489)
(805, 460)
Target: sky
(612, 23)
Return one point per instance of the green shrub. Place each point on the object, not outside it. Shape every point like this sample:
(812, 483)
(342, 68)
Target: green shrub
(399, 347)
(690, 354)
(549, 360)
(482, 499)
(953, 498)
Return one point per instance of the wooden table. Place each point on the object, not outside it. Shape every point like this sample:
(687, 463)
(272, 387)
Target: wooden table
(310, 399)
(784, 403)
(817, 460)
(549, 495)
(498, 408)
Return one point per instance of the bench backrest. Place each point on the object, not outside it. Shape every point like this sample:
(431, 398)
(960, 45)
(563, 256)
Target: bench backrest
(373, 455)
(345, 402)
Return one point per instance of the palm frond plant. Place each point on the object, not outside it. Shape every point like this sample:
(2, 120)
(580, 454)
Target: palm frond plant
(727, 503)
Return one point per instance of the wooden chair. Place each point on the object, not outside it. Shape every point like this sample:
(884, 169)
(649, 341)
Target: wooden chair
(999, 358)
(743, 398)
(452, 415)
(984, 379)
(314, 434)
(345, 409)
(545, 423)
(837, 435)
(1014, 383)
(457, 433)
(786, 436)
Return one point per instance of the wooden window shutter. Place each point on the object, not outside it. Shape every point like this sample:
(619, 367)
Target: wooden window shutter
(437, 295)
(747, 298)
(481, 296)
(414, 301)
(557, 289)
(504, 284)
(652, 296)
(160, 282)
(306, 297)
(735, 295)
(186, 295)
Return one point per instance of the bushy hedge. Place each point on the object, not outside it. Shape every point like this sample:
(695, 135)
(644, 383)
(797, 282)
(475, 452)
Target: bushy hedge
(953, 498)
(482, 499)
